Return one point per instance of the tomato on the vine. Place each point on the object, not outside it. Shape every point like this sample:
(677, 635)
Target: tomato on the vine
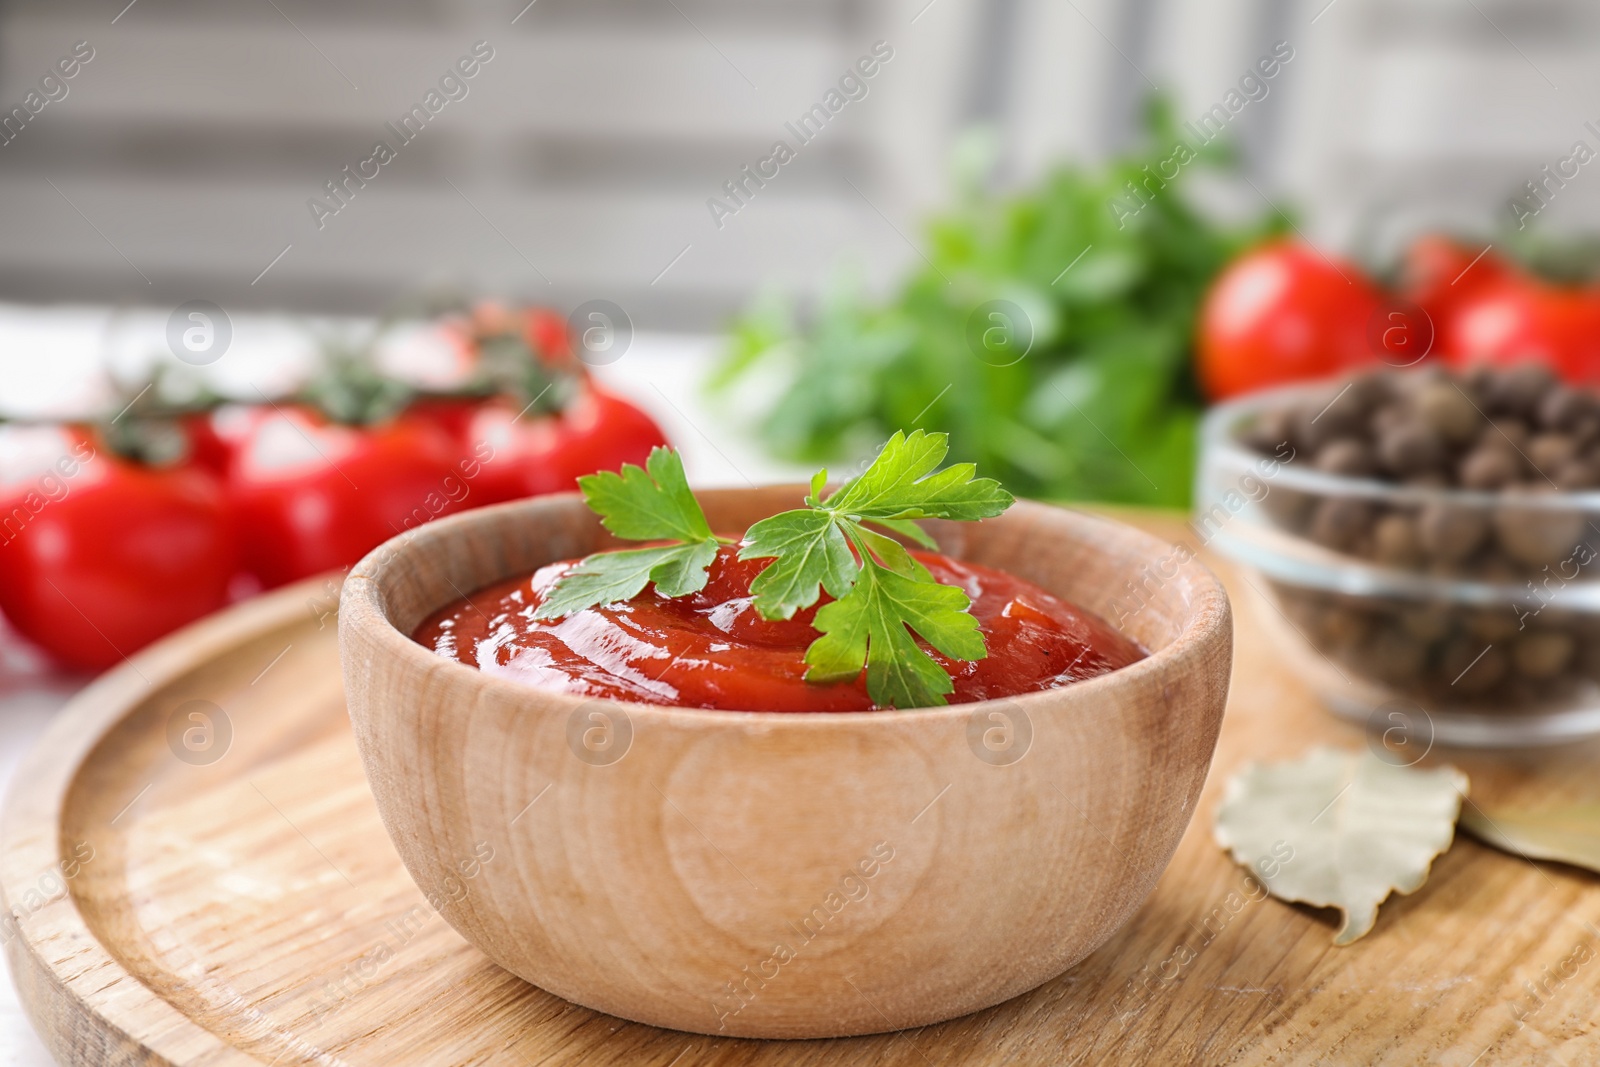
(451, 415)
(603, 431)
(540, 330)
(1519, 317)
(1282, 313)
(1437, 273)
(101, 555)
(531, 454)
(311, 495)
(208, 446)
(546, 333)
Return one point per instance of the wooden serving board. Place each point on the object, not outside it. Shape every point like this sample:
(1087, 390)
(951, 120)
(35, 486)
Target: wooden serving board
(242, 905)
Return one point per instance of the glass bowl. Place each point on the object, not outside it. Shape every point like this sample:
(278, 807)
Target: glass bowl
(1468, 617)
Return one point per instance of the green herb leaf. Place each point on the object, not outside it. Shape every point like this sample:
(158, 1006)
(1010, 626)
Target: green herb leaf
(819, 481)
(1107, 283)
(884, 599)
(811, 547)
(652, 503)
(826, 546)
(890, 553)
(869, 627)
(901, 484)
(609, 577)
(809, 550)
(649, 504)
(908, 529)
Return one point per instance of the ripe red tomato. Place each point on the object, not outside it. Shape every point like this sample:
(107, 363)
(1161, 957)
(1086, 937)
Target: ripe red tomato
(527, 455)
(452, 415)
(602, 432)
(1283, 313)
(100, 556)
(312, 496)
(1437, 273)
(1518, 317)
(207, 446)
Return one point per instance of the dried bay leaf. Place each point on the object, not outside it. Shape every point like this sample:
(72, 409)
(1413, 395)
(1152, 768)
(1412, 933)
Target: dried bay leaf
(1569, 835)
(1339, 829)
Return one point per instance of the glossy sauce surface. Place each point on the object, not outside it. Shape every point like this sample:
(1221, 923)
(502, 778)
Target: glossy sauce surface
(713, 650)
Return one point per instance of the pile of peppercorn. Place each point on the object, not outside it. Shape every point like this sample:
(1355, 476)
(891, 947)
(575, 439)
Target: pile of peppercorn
(1403, 445)
(1516, 432)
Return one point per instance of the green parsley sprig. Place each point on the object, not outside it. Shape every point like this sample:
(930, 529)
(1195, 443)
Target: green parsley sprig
(883, 598)
(649, 504)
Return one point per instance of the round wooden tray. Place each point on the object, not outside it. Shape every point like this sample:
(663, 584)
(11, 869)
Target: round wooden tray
(219, 890)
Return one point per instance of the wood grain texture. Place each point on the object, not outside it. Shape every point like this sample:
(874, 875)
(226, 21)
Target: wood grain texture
(782, 875)
(215, 923)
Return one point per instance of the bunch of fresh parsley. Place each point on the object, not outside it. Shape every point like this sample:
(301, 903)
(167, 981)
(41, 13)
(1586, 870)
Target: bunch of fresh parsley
(1096, 402)
(883, 598)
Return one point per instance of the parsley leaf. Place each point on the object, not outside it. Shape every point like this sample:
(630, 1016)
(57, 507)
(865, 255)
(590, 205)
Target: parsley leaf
(908, 529)
(1087, 391)
(882, 594)
(649, 504)
(884, 599)
(901, 484)
(652, 503)
(811, 547)
(607, 577)
(871, 625)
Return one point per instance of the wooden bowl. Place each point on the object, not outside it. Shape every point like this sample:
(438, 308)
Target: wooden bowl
(786, 875)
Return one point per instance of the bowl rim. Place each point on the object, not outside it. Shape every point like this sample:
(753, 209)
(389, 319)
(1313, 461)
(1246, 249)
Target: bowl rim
(1218, 439)
(1209, 620)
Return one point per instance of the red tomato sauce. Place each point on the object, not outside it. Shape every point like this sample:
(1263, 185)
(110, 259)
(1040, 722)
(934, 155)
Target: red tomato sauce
(713, 650)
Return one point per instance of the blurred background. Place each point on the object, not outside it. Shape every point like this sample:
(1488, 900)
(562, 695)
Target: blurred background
(767, 233)
(191, 154)
(179, 164)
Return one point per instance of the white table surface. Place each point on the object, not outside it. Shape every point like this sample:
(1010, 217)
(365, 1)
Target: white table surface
(660, 372)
